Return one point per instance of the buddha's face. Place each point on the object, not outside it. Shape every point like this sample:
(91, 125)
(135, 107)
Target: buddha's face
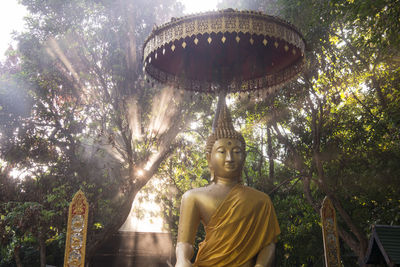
(227, 158)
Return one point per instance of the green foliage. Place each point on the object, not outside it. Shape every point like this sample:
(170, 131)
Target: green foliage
(301, 235)
(186, 169)
(64, 97)
(336, 128)
(66, 92)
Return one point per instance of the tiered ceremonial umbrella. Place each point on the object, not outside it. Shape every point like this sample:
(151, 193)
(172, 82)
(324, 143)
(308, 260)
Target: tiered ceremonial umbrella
(225, 51)
(228, 50)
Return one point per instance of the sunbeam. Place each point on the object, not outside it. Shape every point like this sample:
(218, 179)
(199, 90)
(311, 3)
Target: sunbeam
(134, 119)
(55, 50)
(163, 109)
(146, 214)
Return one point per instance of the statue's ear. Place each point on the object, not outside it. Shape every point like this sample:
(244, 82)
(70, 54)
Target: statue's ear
(208, 157)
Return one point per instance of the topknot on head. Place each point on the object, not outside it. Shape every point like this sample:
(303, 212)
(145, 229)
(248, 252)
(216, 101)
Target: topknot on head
(223, 129)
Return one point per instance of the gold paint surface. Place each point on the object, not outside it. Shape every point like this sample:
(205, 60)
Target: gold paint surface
(330, 234)
(75, 247)
(205, 204)
(226, 162)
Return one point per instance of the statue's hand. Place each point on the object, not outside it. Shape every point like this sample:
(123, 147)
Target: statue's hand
(183, 264)
(184, 252)
(266, 256)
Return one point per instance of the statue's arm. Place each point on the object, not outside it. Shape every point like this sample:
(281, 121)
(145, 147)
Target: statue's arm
(189, 220)
(266, 256)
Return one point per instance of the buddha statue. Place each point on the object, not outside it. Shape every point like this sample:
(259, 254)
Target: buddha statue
(240, 222)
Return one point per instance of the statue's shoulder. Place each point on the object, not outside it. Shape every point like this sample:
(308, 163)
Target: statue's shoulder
(195, 193)
(255, 194)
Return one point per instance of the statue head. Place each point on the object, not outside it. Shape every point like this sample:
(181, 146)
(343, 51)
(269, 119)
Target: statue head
(225, 147)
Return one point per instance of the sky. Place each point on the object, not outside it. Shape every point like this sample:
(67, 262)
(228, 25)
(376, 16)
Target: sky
(12, 13)
(11, 19)
(194, 6)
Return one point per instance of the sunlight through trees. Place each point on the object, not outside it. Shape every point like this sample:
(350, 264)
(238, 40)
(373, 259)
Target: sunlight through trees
(77, 112)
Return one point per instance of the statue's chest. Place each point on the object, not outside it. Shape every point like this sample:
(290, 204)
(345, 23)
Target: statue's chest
(209, 204)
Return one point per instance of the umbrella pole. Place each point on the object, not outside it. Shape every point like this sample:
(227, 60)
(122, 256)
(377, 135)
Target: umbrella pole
(221, 103)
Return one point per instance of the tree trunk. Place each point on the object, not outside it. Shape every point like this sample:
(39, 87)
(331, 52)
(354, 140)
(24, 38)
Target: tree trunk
(134, 185)
(358, 244)
(381, 96)
(361, 242)
(42, 250)
(18, 261)
(270, 155)
(99, 239)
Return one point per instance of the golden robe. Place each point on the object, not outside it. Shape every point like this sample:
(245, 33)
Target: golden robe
(242, 225)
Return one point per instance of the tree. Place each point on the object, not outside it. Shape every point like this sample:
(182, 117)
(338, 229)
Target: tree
(346, 107)
(83, 121)
(94, 122)
(338, 132)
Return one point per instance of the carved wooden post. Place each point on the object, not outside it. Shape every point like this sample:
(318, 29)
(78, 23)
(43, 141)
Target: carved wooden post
(330, 234)
(75, 245)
